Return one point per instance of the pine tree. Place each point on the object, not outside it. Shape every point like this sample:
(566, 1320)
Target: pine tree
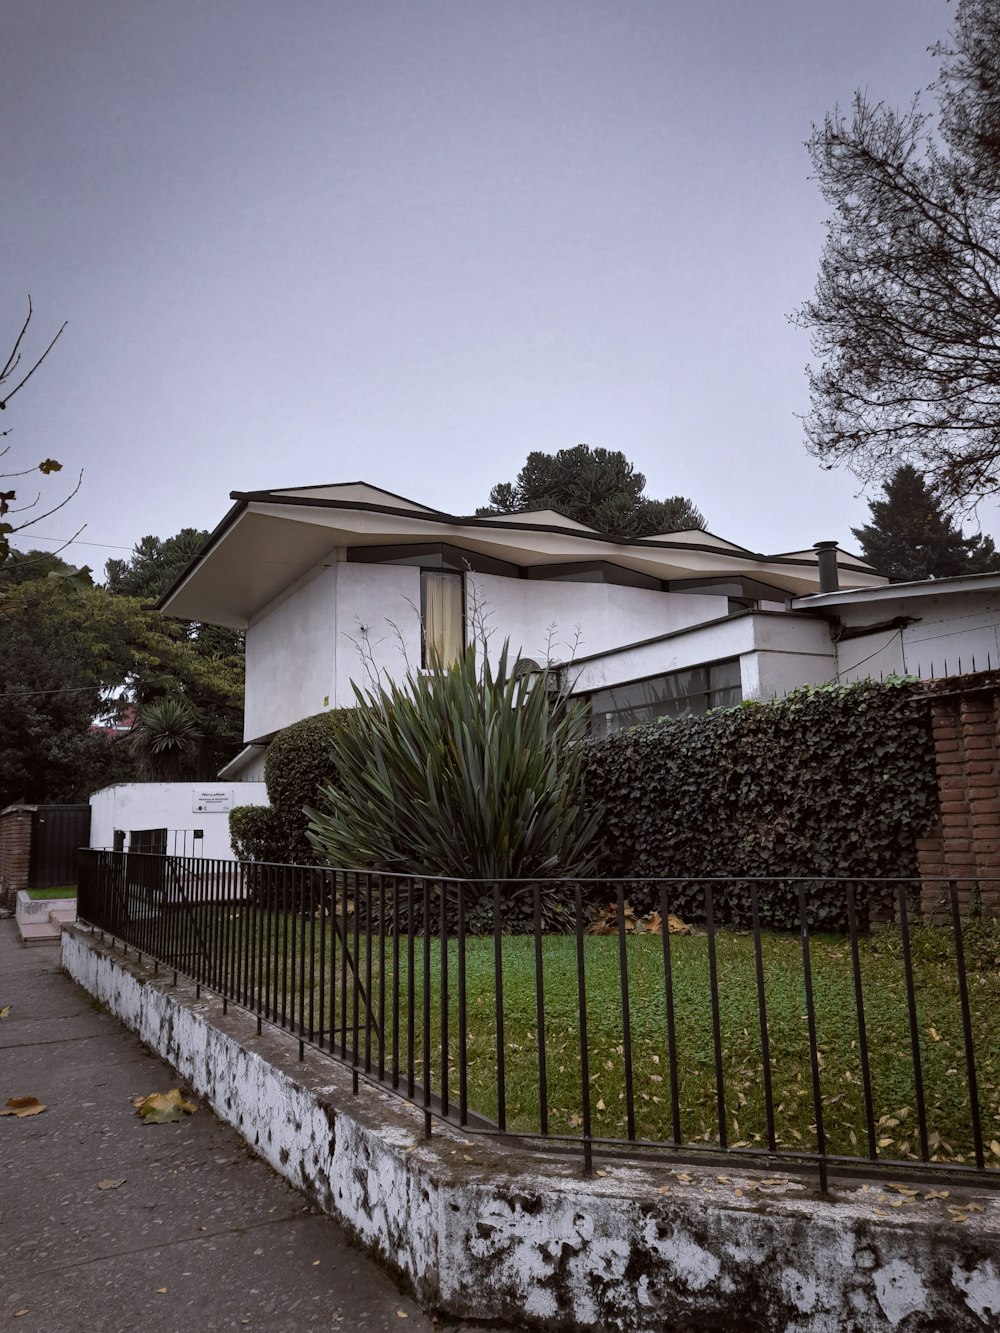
(911, 537)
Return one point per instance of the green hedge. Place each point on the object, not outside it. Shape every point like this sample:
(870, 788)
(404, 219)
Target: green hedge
(255, 832)
(297, 763)
(830, 780)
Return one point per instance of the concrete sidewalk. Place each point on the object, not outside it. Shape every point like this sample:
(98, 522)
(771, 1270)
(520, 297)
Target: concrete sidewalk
(199, 1234)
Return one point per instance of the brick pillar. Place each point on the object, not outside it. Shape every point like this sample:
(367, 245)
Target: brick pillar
(964, 845)
(15, 851)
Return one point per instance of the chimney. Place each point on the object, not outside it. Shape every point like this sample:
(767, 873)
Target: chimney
(826, 558)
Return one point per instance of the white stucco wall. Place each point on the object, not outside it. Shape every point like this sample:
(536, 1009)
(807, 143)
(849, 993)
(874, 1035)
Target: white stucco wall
(170, 805)
(776, 653)
(291, 654)
(607, 615)
(369, 597)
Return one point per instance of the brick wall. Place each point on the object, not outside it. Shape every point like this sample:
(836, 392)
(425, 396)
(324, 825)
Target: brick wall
(15, 851)
(964, 844)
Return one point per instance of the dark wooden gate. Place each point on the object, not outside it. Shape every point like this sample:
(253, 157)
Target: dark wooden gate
(57, 833)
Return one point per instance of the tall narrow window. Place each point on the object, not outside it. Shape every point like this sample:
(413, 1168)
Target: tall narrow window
(442, 610)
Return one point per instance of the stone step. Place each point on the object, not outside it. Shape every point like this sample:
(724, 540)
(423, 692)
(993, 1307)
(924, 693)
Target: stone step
(39, 932)
(60, 916)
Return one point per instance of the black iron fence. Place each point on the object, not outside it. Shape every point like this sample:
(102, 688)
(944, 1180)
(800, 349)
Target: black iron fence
(552, 1011)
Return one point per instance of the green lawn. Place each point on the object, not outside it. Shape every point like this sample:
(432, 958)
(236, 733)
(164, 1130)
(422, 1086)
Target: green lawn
(63, 891)
(938, 1023)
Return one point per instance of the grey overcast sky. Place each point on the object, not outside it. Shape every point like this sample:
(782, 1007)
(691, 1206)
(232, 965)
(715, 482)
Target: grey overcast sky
(408, 241)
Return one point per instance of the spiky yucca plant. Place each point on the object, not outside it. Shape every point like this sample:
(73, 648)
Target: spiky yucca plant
(471, 771)
(166, 739)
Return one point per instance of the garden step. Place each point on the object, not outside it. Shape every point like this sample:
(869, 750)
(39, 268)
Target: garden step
(39, 932)
(60, 916)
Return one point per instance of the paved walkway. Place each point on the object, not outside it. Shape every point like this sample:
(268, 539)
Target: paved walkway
(196, 1235)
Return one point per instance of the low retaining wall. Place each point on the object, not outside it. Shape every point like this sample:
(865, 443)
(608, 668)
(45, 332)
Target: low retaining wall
(481, 1231)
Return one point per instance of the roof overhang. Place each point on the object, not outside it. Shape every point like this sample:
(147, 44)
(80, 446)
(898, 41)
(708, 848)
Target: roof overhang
(899, 595)
(271, 539)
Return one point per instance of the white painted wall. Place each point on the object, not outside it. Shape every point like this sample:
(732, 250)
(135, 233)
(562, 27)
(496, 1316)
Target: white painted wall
(291, 654)
(777, 653)
(170, 805)
(607, 615)
(369, 597)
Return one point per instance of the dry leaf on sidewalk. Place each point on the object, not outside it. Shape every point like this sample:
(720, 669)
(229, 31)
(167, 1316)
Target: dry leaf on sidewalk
(110, 1184)
(22, 1106)
(5, 1011)
(162, 1108)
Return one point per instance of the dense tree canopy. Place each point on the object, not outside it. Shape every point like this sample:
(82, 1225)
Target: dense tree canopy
(911, 537)
(60, 656)
(599, 487)
(208, 674)
(905, 319)
(71, 655)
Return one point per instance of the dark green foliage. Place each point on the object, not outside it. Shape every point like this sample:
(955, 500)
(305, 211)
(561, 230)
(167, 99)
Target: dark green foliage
(154, 564)
(255, 832)
(911, 537)
(166, 739)
(298, 762)
(831, 780)
(599, 487)
(471, 772)
(213, 680)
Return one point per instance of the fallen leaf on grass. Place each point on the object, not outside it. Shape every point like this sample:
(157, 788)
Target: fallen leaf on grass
(162, 1108)
(110, 1184)
(22, 1106)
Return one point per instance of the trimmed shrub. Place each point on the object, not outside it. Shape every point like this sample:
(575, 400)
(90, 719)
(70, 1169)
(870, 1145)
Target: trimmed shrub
(297, 763)
(831, 780)
(255, 832)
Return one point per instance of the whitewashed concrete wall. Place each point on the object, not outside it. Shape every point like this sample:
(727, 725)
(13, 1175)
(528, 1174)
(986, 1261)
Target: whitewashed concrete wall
(170, 805)
(485, 1232)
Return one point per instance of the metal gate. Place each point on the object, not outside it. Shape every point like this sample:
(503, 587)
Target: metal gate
(57, 833)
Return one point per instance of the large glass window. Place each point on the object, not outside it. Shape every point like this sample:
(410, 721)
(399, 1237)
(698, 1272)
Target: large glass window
(674, 694)
(442, 616)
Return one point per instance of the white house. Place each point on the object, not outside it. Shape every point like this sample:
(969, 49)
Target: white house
(335, 584)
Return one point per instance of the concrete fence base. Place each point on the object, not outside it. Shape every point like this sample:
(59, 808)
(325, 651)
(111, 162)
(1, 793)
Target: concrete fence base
(484, 1231)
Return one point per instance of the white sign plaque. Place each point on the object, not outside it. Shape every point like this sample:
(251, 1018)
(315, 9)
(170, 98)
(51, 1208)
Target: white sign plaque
(206, 800)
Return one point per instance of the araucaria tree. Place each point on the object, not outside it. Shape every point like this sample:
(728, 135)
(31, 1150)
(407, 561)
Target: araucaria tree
(905, 320)
(598, 487)
(911, 537)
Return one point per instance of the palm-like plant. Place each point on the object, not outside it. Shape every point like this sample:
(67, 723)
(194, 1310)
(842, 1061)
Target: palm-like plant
(471, 772)
(166, 737)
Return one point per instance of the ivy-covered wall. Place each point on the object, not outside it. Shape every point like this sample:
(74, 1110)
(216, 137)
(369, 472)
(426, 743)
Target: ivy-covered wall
(832, 780)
